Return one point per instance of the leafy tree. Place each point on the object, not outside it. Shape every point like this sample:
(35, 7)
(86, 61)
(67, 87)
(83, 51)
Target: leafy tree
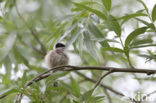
(103, 37)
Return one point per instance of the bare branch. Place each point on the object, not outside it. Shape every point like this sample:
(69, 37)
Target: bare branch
(43, 50)
(100, 79)
(75, 68)
(102, 85)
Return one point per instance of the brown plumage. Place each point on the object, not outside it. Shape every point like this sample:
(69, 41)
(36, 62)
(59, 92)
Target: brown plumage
(57, 56)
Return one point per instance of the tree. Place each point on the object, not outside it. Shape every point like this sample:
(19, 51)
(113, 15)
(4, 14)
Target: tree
(105, 41)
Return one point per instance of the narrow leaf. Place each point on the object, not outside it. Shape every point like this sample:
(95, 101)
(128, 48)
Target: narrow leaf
(7, 46)
(95, 31)
(129, 16)
(87, 95)
(154, 13)
(144, 5)
(74, 37)
(114, 25)
(97, 12)
(134, 34)
(150, 25)
(75, 87)
(8, 91)
(107, 4)
(89, 45)
(112, 49)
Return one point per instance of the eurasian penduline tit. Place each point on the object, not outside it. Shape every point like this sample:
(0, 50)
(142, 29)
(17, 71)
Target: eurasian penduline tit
(57, 57)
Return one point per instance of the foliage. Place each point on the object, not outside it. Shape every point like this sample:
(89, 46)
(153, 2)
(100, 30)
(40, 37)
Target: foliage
(92, 29)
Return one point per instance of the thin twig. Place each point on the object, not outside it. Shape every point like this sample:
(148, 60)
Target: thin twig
(43, 50)
(147, 95)
(100, 79)
(102, 85)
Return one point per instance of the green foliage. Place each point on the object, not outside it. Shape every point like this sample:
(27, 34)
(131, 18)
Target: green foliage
(134, 34)
(154, 13)
(107, 4)
(96, 32)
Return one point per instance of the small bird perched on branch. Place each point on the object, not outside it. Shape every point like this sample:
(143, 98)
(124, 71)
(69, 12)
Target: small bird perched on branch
(57, 57)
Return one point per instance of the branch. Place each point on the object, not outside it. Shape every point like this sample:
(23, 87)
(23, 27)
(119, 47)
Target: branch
(100, 79)
(75, 68)
(43, 50)
(102, 85)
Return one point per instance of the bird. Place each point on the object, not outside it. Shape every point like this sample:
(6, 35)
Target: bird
(57, 56)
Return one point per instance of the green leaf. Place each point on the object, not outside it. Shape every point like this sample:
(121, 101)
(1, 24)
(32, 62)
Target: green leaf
(107, 4)
(8, 65)
(52, 38)
(66, 87)
(112, 49)
(4, 51)
(90, 45)
(144, 5)
(6, 79)
(74, 37)
(75, 87)
(95, 99)
(97, 33)
(154, 13)
(150, 57)
(97, 12)
(8, 92)
(134, 34)
(142, 41)
(74, 101)
(55, 76)
(150, 25)
(19, 55)
(114, 25)
(87, 95)
(129, 16)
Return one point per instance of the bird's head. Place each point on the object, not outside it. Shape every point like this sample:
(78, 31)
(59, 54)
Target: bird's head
(60, 46)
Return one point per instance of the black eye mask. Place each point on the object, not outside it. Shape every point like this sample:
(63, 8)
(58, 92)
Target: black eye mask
(58, 45)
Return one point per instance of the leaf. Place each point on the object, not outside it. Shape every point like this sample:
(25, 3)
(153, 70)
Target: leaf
(87, 95)
(66, 87)
(74, 101)
(4, 51)
(18, 54)
(89, 45)
(8, 92)
(114, 25)
(150, 57)
(142, 41)
(134, 34)
(75, 87)
(144, 5)
(98, 13)
(154, 13)
(6, 79)
(55, 76)
(107, 4)
(68, 31)
(95, 99)
(129, 16)
(112, 49)
(8, 65)
(97, 33)
(150, 25)
(74, 37)
(55, 36)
